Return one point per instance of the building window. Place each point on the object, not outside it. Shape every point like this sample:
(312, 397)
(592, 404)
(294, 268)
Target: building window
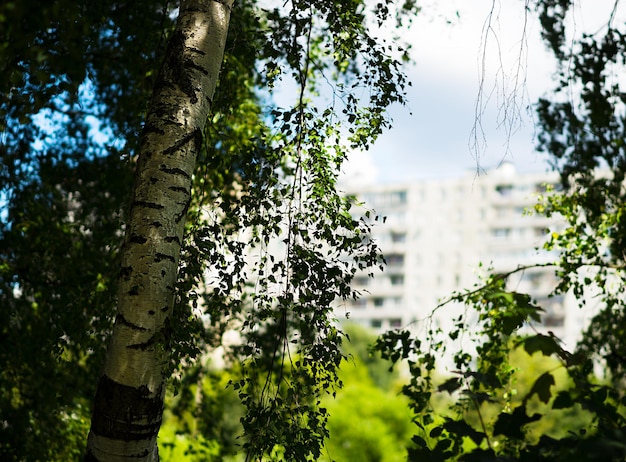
(395, 259)
(384, 199)
(395, 323)
(502, 212)
(500, 233)
(398, 237)
(519, 232)
(399, 197)
(554, 315)
(534, 279)
(379, 302)
(397, 280)
(362, 281)
(376, 323)
(504, 190)
(395, 218)
(553, 312)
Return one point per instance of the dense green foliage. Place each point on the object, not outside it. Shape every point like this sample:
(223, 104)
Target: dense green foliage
(63, 194)
(368, 420)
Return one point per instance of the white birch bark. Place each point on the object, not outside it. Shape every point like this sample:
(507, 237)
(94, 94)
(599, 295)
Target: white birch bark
(129, 401)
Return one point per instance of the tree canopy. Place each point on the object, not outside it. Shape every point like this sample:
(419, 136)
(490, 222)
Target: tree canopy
(76, 81)
(270, 243)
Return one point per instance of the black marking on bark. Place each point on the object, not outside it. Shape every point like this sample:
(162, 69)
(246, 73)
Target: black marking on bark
(164, 309)
(136, 239)
(156, 224)
(148, 205)
(134, 290)
(183, 213)
(162, 256)
(122, 320)
(125, 413)
(153, 128)
(172, 239)
(179, 189)
(174, 171)
(153, 180)
(161, 111)
(151, 312)
(163, 273)
(191, 64)
(198, 139)
(125, 272)
(171, 69)
(173, 72)
(186, 86)
(197, 51)
(189, 137)
(158, 336)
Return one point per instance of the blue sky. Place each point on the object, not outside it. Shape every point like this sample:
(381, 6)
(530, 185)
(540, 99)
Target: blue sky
(431, 137)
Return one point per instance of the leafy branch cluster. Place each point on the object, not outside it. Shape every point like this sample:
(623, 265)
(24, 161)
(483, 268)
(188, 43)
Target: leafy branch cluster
(488, 410)
(272, 245)
(484, 412)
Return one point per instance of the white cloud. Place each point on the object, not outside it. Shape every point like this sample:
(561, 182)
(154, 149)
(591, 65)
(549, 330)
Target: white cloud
(358, 170)
(431, 138)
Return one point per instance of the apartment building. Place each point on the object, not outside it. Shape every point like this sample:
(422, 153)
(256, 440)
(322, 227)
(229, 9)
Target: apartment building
(437, 233)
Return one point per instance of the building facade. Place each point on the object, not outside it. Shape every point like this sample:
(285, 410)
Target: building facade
(436, 234)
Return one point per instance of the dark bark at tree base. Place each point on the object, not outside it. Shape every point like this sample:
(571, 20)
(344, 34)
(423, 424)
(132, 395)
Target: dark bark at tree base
(124, 413)
(112, 422)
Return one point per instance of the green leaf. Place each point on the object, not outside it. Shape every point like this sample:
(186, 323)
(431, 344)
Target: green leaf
(544, 343)
(450, 385)
(510, 425)
(541, 387)
(462, 428)
(436, 432)
(563, 400)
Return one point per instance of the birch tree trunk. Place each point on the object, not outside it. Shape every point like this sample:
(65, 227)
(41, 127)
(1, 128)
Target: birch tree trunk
(129, 400)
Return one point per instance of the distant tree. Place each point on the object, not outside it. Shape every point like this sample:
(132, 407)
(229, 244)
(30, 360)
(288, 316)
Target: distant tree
(62, 194)
(202, 421)
(367, 424)
(368, 420)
